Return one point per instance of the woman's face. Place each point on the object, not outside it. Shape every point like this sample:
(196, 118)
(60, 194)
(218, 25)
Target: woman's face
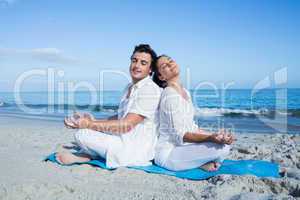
(167, 68)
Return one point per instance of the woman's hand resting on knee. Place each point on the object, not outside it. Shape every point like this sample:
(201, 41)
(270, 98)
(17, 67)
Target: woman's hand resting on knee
(222, 138)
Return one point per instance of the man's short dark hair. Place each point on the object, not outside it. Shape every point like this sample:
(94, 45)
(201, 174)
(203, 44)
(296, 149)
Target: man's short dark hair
(146, 48)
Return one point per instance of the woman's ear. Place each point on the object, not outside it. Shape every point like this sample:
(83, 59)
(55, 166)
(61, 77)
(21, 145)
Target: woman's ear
(161, 77)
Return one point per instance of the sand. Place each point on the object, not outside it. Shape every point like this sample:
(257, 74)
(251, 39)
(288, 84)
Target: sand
(23, 175)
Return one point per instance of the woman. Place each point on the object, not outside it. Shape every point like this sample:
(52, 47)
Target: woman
(181, 144)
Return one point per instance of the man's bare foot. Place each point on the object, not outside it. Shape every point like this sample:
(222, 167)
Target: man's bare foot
(67, 158)
(211, 166)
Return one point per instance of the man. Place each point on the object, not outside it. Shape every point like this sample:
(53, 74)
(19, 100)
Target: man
(129, 138)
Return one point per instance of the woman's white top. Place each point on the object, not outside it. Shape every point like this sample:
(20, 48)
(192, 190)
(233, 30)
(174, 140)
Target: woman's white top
(176, 117)
(138, 145)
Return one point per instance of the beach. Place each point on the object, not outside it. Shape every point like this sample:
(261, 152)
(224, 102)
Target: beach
(24, 143)
(182, 68)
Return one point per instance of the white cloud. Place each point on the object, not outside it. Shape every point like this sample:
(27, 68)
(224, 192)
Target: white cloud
(7, 2)
(53, 55)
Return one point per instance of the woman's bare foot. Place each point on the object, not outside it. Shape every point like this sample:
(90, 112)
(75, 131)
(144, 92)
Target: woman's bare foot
(211, 166)
(67, 158)
(283, 172)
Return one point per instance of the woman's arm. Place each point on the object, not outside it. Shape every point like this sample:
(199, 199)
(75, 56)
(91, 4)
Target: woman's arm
(202, 131)
(196, 137)
(113, 117)
(221, 138)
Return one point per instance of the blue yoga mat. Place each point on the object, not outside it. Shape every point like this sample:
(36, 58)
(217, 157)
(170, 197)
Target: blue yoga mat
(257, 168)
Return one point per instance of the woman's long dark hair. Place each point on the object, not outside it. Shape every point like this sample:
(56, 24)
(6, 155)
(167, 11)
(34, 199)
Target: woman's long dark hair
(156, 74)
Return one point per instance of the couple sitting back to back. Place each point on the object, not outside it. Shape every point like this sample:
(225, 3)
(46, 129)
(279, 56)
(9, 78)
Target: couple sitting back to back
(151, 123)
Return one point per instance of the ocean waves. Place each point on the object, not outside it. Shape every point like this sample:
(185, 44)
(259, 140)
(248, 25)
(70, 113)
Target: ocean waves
(63, 107)
(200, 111)
(229, 112)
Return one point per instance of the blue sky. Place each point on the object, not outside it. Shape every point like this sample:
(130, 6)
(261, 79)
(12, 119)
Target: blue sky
(219, 41)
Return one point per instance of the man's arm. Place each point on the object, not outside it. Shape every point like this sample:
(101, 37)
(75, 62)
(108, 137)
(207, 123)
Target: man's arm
(71, 122)
(117, 127)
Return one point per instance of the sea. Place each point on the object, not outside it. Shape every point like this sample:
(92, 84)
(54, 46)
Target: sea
(238, 110)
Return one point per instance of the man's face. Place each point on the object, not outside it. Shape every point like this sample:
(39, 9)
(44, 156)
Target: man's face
(140, 66)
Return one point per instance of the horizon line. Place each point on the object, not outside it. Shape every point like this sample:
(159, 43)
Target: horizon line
(112, 90)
